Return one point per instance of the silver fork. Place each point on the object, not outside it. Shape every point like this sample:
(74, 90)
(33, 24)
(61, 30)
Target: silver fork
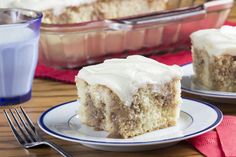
(26, 134)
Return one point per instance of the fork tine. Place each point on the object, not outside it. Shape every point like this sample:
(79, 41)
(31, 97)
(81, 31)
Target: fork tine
(30, 123)
(25, 126)
(15, 133)
(20, 128)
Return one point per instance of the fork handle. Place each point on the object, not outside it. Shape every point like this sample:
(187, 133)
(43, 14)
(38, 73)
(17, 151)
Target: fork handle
(57, 148)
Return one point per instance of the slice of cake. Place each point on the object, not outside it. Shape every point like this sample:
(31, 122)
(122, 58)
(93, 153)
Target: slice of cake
(129, 97)
(214, 58)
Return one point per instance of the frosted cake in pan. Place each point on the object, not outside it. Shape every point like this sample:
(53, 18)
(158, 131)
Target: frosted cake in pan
(214, 58)
(75, 11)
(129, 97)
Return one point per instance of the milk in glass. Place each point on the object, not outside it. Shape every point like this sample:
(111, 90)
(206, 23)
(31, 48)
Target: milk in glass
(18, 59)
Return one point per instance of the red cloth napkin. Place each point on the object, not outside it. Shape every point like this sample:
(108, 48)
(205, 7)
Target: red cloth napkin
(68, 75)
(219, 143)
(227, 135)
(208, 144)
(63, 75)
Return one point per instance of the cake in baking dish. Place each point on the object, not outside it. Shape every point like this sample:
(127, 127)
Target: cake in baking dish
(129, 97)
(75, 11)
(214, 58)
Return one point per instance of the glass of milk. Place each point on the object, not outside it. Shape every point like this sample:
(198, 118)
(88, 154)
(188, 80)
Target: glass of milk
(19, 37)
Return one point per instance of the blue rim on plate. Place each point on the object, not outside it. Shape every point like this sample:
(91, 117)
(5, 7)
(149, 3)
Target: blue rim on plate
(208, 93)
(53, 133)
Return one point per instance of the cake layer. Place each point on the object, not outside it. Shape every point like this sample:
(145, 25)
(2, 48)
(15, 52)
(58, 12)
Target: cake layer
(216, 41)
(42, 5)
(75, 11)
(125, 76)
(214, 72)
(150, 110)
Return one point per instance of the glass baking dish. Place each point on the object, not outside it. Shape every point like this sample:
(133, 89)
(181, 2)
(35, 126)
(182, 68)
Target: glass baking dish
(76, 45)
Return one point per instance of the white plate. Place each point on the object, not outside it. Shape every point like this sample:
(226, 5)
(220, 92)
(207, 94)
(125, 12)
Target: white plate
(195, 118)
(188, 87)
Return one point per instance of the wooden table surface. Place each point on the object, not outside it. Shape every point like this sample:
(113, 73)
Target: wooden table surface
(48, 93)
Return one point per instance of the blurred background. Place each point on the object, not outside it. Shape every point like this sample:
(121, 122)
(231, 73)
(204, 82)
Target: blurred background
(232, 16)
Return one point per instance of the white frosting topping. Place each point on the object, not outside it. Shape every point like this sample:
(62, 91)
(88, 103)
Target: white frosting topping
(216, 41)
(126, 76)
(40, 5)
